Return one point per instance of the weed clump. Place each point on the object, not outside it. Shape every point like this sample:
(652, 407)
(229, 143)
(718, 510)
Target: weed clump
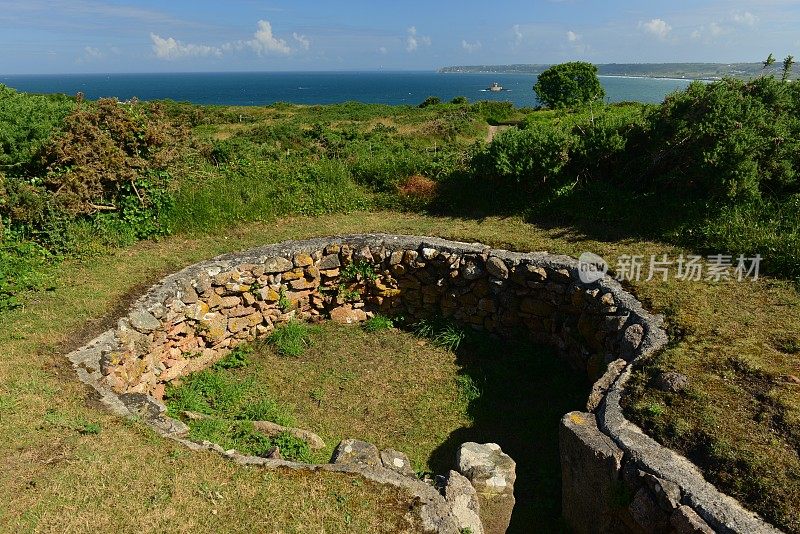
(291, 339)
(377, 323)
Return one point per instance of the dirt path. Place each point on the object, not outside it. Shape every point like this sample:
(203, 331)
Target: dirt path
(494, 130)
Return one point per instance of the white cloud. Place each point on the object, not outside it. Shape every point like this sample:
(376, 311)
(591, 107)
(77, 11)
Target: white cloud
(746, 18)
(708, 33)
(657, 27)
(572, 36)
(92, 52)
(517, 34)
(382, 50)
(471, 47)
(304, 41)
(171, 48)
(264, 42)
(414, 41)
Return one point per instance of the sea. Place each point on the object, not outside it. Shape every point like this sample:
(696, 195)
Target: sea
(263, 88)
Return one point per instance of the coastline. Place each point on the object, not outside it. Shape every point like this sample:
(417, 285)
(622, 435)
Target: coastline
(646, 77)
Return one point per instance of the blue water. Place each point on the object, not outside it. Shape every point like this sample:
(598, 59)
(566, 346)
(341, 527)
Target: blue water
(260, 88)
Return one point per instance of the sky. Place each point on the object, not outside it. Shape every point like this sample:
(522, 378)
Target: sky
(103, 36)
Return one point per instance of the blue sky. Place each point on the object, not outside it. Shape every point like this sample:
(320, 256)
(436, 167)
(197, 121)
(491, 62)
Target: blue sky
(56, 36)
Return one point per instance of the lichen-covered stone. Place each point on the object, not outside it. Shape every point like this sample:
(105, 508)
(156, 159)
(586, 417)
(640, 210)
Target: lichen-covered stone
(356, 452)
(277, 265)
(464, 503)
(143, 321)
(396, 461)
(196, 311)
(303, 260)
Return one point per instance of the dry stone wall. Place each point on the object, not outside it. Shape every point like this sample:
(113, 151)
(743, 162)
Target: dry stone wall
(197, 316)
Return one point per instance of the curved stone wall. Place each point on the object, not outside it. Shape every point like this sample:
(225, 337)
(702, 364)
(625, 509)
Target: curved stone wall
(615, 477)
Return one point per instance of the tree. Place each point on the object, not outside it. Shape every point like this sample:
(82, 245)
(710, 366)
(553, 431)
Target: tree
(767, 63)
(787, 67)
(569, 84)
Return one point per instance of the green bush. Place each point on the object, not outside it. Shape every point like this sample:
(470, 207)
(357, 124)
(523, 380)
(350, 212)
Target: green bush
(532, 157)
(569, 84)
(494, 112)
(26, 123)
(378, 323)
(430, 101)
(730, 140)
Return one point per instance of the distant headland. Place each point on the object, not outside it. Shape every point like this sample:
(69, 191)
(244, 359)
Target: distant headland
(689, 71)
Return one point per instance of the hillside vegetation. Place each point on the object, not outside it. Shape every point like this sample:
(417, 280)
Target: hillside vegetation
(712, 170)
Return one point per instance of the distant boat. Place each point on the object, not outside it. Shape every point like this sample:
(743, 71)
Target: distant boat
(495, 87)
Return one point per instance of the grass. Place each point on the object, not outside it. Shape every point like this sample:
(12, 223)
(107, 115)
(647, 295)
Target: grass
(736, 341)
(331, 388)
(291, 339)
(425, 397)
(229, 406)
(377, 323)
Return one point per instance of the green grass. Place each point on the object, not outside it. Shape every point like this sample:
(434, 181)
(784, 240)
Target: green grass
(230, 407)
(738, 419)
(377, 323)
(441, 333)
(397, 390)
(246, 168)
(291, 339)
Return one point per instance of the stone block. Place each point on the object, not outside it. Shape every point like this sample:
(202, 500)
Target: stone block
(686, 521)
(356, 452)
(590, 475)
(396, 461)
(464, 503)
(497, 267)
(492, 473)
(277, 265)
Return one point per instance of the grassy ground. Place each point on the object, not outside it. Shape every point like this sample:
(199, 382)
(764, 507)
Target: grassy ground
(398, 391)
(737, 341)
(382, 387)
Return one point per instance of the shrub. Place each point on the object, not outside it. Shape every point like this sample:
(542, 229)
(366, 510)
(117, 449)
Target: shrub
(728, 139)
(460, 101)
(430, 101)
(532, 157)
(493, 112)
(26, 123)
(105, 152)
(569, 84)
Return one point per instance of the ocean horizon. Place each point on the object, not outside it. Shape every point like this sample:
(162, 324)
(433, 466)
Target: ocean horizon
(379, 87)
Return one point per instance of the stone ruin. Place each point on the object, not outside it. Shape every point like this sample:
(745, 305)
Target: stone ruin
(195, 317)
